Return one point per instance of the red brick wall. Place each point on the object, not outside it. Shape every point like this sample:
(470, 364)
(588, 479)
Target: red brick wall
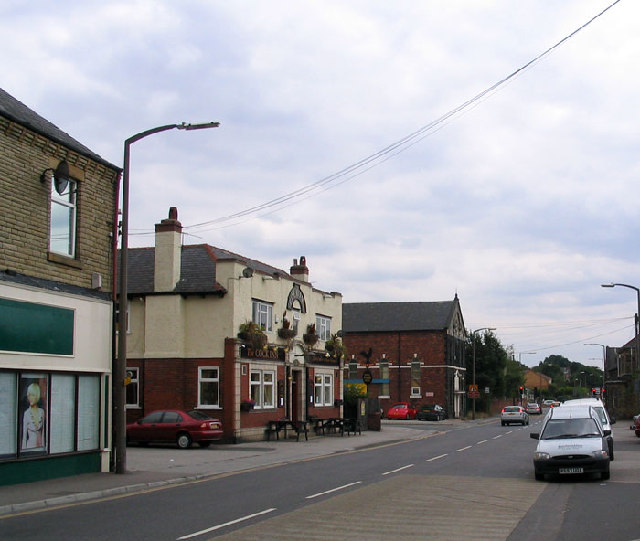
(430, 349)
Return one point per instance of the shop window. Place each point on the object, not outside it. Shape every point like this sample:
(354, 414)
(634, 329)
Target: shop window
(8, 414)
(323, 327)
(88, 413)
(43, 414)
(262, 314)
(208, 387)
(62, 226)
(323, 389)
(63, 413)
(262, 388)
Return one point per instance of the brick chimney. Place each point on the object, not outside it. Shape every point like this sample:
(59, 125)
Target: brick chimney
(301, 271)
(168, 252)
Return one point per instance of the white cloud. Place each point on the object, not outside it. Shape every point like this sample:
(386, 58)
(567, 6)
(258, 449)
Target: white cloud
(522, 205)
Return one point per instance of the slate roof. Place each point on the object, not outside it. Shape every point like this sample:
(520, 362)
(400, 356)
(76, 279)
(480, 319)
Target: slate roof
(18, 112)
(197, 270)
(52, 285)
(397, 316)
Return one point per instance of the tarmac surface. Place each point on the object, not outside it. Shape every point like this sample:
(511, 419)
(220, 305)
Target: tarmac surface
(157, 466)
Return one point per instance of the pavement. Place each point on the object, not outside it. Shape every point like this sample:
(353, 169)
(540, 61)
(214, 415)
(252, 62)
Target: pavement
(160, 466)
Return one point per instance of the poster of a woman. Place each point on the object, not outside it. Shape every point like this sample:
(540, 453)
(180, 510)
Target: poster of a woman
(34, 418)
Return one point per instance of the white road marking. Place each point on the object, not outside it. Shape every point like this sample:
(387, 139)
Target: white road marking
(496, 437)
(213, 528)
(465, 448)
(332, 490)
(399, 469)
(437, 457)
(481, 441)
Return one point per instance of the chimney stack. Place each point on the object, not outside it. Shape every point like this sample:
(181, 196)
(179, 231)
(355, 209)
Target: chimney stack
(168, 252)
(301, 271)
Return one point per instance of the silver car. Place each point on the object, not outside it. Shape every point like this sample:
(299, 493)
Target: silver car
(514, 414)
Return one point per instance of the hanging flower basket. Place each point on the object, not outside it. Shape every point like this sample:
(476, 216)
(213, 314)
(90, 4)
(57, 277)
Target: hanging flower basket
(287, 334)
(247, 404)
(310, 337)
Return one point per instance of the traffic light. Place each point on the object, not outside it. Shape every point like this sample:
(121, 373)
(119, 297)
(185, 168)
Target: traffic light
(521, 389)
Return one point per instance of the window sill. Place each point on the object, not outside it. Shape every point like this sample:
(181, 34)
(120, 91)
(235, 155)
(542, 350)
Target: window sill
(64, 260)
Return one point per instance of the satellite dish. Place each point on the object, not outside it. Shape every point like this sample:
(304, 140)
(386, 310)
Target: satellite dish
(247, 272)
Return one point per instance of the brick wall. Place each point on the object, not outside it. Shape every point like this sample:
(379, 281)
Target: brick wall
(24, 206)
(430, 348)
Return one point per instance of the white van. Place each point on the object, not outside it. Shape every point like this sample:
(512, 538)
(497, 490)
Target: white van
(602, 412)
(572, 441)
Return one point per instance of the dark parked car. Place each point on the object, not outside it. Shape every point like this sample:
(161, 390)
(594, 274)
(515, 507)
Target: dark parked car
(431, 412)
(181, 427)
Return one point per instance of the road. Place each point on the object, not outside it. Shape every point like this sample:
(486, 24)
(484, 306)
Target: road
(475, 483)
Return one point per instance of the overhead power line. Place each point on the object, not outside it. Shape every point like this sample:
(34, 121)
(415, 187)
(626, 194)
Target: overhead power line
(360, 167)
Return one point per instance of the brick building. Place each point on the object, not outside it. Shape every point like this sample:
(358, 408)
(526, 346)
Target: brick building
(58, 208)
(417, 351)
(622, 383)
(191, 343)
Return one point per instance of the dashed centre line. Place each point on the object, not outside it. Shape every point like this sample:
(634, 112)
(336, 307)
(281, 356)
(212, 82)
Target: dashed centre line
(398, 469)
(464, 448)
(332, 490)
(436, 457)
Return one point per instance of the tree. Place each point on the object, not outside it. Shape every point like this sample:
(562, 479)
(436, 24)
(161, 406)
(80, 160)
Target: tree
(494, 368)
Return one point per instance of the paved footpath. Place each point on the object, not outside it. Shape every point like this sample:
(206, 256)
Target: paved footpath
(149, 467)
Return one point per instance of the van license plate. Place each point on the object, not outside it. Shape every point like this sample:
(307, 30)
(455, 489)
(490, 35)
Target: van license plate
(571, 470)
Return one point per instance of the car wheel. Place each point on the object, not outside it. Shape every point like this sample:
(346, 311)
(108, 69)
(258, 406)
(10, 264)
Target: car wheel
(184, 440)
(539, 476)
(605, 475)
(610, 450)
(503, 423)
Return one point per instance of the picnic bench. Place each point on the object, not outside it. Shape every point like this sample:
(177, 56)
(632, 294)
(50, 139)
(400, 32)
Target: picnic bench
(277, 425)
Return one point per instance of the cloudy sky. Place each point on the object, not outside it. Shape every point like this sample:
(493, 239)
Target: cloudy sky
(367, 127)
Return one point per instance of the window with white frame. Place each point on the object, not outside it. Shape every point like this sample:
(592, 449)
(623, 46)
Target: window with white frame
(62, 225)
(323, 327)
(384, 375)
(262, 388)
(416, 368)
(323, 389)
(262, 314)
(208, 387)
(296, 319)
(132, 389)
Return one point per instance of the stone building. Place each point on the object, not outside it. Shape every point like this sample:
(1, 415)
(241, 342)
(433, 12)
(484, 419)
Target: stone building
(417, 351)
(58, 208)
(229, 335)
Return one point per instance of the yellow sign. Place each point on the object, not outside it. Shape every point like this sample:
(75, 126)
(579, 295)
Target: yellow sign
(473, 388)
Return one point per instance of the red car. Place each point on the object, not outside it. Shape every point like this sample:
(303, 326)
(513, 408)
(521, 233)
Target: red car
(402, 410)
(181, 427)
(636, 425)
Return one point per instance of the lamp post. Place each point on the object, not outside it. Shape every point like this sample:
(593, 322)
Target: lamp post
(473, 340)
(118, 376)
(636, 319)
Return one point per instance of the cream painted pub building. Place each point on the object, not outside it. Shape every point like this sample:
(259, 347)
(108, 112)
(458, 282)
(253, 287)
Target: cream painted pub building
(192, 310)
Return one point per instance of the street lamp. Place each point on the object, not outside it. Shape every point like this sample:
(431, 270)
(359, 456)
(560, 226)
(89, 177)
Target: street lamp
(473, 340)
(118, 376)
(636, 319)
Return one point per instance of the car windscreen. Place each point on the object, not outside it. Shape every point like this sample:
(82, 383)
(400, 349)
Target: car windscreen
(512, 409)
(601, 414)
(570, 428)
